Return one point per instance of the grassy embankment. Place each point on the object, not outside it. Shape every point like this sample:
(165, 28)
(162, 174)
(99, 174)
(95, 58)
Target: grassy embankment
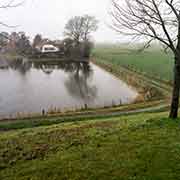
(150, 72)
(144, 146)
(152, 62)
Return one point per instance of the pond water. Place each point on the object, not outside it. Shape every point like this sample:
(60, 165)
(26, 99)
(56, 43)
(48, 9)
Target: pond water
(31, 87)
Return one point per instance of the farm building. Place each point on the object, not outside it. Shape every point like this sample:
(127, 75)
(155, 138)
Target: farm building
(49, 48)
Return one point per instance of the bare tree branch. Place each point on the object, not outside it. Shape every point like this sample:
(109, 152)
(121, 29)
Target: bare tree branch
(147, 18)
(80, 27)
(12, 4)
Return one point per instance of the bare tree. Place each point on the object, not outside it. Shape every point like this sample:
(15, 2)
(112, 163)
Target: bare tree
(73, 28)
(152, 20)
(10, 4)
(4, 37)
(37, 40)
(90, 24)
(80, 27)
(23, 44)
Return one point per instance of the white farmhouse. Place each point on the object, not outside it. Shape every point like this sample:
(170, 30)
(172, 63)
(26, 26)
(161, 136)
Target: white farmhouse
(48, 48)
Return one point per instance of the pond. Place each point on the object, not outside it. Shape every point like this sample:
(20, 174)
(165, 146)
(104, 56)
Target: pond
(33, 87)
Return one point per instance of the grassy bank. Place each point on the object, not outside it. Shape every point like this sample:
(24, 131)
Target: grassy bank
(91, 114)
(152, 62)
(149, 88)
(144, 146)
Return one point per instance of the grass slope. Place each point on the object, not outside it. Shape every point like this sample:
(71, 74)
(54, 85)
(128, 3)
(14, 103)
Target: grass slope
(154, 62)
(144, 146)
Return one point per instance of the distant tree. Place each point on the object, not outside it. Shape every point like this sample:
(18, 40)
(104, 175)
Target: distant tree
(152, 20)
(67, 41)
(90, 24)
(4, 38)
(80, 27)
(80, 50)
(13, 39)
(37, 40)
(74, 28)
(68, 45)
(87, 48)
(23, 44)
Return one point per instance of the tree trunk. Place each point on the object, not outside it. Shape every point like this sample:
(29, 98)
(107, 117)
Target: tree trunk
(176, 90)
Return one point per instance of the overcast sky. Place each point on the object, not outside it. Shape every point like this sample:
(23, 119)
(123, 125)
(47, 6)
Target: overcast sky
(49, 17)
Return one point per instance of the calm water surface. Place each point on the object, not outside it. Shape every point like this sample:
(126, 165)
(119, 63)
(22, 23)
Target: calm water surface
(29, 88)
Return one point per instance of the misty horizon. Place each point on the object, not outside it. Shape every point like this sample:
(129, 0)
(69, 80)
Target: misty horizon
(49, 19)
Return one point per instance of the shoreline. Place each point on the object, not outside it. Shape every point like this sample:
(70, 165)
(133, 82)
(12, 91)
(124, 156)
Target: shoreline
(86, 111)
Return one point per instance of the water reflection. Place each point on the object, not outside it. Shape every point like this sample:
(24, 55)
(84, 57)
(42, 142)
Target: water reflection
(78, 83)
(21, 65)
(79, 76)
(30, 87)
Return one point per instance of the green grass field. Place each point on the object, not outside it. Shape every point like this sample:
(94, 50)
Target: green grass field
(144, 146)
(153, 62)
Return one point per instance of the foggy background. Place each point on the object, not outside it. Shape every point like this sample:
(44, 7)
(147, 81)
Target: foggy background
(48, 17)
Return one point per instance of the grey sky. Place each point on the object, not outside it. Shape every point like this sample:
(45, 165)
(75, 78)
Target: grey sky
(48, 17)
